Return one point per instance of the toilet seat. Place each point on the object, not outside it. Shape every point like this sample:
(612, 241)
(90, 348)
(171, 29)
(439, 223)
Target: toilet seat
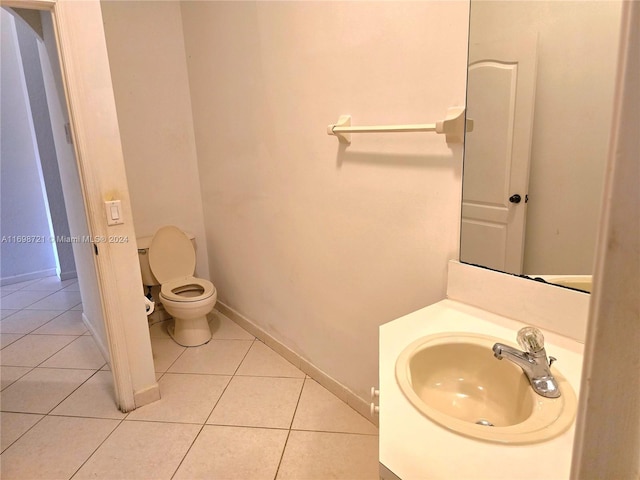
(168, 289)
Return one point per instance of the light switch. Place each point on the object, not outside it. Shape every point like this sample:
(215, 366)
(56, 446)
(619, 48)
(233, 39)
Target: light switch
(114, 212)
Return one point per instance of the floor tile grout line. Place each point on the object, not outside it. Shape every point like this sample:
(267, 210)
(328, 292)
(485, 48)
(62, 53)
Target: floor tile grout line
(200, 373)
(214, 407)
(22, 287)
(246, 426)
(127, 418)
(62, 348)
(54, 368)
(45, 323)
(73, 391)
(304, 382)
(44, 415)
(26, 307)
(167, 422)
(32, 368)
(97, 448)
(32, 291)
(29, 287)
(284, 448)
(14, 341)
(26, 288)
(172, 363)
(41, 279)
(295, 410)
(176, 359)
(229, 375)
(68, 368)
(254, 375)
(34, 310)
(70, 415)
(187, 452)
(7, 309)
(33, 332)
(202, 427)
(58, 334)
(218, 400)
(226, 387)
(21, 412)
(173, 422)
(334, 432)
(27, 430)
(7, 386)
(49, 321)
(244, 357)
(55, 353)
(88, 417)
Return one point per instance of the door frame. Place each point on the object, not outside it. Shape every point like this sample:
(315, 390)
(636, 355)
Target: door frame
(91, 105)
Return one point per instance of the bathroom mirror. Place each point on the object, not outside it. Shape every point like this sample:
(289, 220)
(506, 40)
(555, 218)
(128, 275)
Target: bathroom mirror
(540, 92)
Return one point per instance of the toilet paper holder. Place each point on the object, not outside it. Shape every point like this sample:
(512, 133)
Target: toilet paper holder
(149, 305)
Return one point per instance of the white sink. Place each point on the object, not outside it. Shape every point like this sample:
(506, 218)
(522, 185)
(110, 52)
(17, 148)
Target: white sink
(454, 380)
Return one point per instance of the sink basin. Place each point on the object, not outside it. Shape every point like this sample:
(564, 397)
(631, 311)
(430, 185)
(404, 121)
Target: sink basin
(455, 381)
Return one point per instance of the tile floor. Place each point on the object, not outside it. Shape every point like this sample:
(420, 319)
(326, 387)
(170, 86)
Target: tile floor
(231, 409)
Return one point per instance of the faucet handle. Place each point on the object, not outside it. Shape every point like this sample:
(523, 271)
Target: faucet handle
(530, 339)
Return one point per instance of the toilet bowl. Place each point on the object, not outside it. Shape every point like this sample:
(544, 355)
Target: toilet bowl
(186, 298)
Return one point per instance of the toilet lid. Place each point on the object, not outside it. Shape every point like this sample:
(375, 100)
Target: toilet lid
(171, 254)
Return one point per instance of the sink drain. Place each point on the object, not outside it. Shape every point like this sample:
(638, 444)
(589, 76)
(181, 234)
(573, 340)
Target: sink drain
(484, 422)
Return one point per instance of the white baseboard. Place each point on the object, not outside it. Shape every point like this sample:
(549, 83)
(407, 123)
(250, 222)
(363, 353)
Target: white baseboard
(386, 474)
(360, 405)
(24, 277)
(68, 275)
(140, 397)
(146, 395)
(104, 349)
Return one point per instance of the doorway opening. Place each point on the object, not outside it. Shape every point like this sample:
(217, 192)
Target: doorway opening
(48, 276)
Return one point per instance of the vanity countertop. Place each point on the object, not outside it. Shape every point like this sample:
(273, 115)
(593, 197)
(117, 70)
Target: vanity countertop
(414, 447)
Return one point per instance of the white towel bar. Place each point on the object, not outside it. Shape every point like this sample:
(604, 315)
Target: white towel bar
(452, 126)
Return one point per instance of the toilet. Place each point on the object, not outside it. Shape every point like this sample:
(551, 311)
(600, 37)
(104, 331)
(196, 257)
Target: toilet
(172, 260)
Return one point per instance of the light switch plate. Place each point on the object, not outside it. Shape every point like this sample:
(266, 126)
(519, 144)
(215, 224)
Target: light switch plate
(114, 212)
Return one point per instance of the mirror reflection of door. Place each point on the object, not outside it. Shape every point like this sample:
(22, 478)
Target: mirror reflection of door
(500, 99)
(574, 89)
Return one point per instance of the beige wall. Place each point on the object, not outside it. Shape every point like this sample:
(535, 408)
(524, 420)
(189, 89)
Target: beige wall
(577, 45)
(149, 73)
(316, 244)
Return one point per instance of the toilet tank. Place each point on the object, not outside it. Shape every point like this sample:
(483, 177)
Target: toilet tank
(148, 278)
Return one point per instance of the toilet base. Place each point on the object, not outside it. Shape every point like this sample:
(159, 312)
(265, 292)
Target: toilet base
(190, 333)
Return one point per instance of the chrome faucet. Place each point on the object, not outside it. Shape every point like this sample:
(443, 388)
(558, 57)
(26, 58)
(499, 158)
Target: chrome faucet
(533, 361)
